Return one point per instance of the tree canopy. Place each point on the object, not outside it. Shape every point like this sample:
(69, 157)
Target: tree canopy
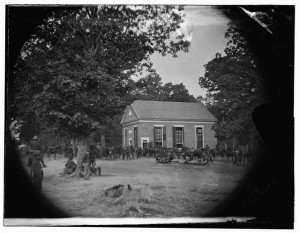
(74, 73)
(151, 87)
(232, 83)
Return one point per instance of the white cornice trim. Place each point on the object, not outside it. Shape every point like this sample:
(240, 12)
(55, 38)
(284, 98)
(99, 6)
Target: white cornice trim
(179, 122)
(166, 121)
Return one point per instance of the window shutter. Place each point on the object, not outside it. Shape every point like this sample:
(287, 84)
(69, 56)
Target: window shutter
(164, 136)
(135, 130)
(153, 136)
(183, 136)
(174, 139)
(137, 137)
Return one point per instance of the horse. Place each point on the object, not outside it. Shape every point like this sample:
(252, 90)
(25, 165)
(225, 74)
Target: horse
(51, 151)
(210, 156)
(213, 153)
(132, 152)
(242, 158)
(222, 154)
(127, 153)
(230, 154)
(139, 152)
(204, 156)
(112, 152)
(164, 155)
(119, 151)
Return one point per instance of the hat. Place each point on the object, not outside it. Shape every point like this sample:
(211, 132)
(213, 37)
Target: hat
(91, 146)
(35, 138)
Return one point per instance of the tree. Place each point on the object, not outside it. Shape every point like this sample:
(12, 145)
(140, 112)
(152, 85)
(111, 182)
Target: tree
(112, 132)
(79, 63)
(151, 87)
(176, 93)
(28, 127)
(232, 83)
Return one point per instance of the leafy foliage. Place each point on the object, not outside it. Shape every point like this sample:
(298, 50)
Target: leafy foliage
(151, 87)
(74, 73)
(232, 83)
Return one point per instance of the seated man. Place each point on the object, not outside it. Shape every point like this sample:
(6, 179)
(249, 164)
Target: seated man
(69, 168)
(92, 161)
(96, 170)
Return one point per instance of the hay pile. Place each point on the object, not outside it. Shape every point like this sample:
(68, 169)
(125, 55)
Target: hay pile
(133, 202)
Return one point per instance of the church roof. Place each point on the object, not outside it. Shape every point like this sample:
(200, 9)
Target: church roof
(171, 111)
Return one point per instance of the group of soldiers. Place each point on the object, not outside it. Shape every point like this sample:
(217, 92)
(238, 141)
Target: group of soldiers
(204, 156)
(88, 164)
(166, 155)
(163, 155)
(36, 162)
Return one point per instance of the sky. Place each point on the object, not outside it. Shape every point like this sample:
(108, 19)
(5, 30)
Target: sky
(205, 26)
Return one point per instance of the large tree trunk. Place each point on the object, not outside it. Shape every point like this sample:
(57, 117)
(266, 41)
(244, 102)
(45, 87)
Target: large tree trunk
(102, 140)
(82, 150)
(74, 147)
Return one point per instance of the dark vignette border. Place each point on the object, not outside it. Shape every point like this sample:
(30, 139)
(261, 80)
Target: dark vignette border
(274, 208)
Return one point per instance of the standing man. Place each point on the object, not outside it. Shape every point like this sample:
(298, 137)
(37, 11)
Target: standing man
(35, 145)
(92, 161)
(70, 154)
(208, 155)
(65, 150)
(35, 162)
(86, 166)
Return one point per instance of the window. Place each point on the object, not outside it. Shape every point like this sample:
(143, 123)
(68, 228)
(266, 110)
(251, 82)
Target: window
(199, 137)
(145, 144)
(179, 136)
(158, 136)
(129, 113)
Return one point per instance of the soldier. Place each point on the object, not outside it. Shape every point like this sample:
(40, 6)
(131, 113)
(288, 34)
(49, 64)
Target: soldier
(86, 166)
(92, 161)
(92, 154)
(69, 168)
(66, 150)
(70, 154)
(132, 152)
(123, 153)
(209, 155)
(52, 150)
(35, 163)
(35, 144)
(127, 152)
(206, 148)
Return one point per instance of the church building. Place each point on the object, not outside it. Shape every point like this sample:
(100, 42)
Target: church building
(167, 124)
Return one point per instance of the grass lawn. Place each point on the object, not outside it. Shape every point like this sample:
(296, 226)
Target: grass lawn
(158, 190)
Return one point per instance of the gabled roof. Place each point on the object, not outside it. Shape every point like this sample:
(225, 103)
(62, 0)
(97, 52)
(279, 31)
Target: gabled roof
(172, 111)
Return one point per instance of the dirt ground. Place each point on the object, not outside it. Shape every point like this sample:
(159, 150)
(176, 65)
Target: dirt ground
(158, 190)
